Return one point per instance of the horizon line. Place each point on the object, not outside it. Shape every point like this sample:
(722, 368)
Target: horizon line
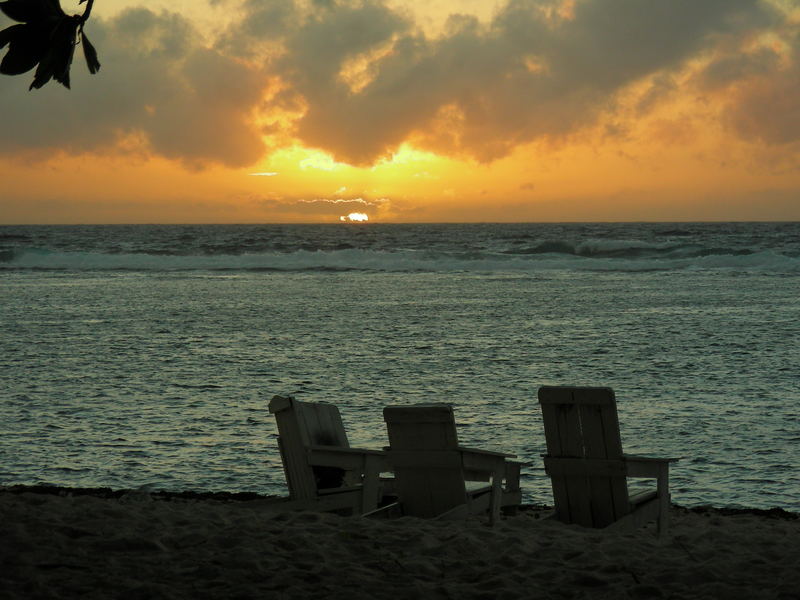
(372, 222)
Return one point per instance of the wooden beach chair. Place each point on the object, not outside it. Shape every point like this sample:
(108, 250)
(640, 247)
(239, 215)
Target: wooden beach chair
(435, 477)
(322, 471)
(587, 468)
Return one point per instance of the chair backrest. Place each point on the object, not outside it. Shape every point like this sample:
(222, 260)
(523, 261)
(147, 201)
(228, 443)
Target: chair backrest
(302, 425)
(425, 459)
(584, 454)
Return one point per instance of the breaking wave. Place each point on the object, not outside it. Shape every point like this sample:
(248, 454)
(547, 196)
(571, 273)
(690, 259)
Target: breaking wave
(599, 255)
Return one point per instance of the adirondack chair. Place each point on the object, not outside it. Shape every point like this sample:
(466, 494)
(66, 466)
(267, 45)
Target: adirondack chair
(322, 471)
(586, 465)
(435, 477)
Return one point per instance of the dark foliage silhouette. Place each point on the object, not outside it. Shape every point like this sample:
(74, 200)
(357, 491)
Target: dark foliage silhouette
(45, 36)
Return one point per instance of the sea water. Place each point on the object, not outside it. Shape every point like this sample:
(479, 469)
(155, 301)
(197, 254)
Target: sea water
(146, 355)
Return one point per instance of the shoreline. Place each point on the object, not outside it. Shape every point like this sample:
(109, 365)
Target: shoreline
(102, 543)
(108, 493)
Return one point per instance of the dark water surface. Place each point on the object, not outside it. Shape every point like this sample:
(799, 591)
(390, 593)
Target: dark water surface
(146, 355)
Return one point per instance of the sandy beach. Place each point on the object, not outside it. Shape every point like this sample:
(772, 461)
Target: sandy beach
(103, 544)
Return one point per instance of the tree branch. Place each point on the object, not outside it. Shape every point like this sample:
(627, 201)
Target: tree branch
(88, 11)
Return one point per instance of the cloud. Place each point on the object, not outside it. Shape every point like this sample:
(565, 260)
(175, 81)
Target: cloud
(338, 201)
(767, 110)
(324, 209)
(481, 89)
(730, 69)
(761, 91)
(357, 78)
(159, 85)
(758, 86)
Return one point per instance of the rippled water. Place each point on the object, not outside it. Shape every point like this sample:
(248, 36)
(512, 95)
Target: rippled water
(134, 356)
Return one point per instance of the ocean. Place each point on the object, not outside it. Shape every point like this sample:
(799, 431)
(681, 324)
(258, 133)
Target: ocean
(145, 356)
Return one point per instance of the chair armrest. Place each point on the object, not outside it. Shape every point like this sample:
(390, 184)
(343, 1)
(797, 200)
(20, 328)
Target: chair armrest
(344, 458)
(643, 466)
(645, 459)
(478, 451)
(484, 461)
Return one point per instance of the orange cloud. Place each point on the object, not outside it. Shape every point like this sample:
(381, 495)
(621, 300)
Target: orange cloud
(357, 78)
(546, 109)
(472, 91)
(159, 85)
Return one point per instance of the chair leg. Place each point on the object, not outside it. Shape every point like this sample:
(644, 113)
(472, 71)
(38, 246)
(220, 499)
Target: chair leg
(663, 500)
(497, 496)
(369, 489)
(512, 475)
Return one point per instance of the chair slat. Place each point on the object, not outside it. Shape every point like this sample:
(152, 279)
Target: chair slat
(601, 440)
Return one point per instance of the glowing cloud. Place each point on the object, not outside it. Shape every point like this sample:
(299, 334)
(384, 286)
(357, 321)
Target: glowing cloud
(337, 201)
(320, 161)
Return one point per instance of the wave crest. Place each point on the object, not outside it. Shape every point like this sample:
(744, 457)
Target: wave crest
(603, 255)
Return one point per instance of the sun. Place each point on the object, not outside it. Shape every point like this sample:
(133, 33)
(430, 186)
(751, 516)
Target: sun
(355, 217)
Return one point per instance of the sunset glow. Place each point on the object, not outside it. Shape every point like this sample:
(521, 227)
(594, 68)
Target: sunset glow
(355, 218)
(694, 118)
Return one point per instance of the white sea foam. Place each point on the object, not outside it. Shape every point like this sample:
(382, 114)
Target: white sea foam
(398, 261)
(587, 257)
(404, 248)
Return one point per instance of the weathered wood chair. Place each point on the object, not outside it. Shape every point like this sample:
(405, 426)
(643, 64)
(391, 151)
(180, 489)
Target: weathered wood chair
(586, 465)
(322, 471)
(435, 477)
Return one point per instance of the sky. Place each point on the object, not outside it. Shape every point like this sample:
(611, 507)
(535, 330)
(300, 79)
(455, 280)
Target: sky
(281, 111)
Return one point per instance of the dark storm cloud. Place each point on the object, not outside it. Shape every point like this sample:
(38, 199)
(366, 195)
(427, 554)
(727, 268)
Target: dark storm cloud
(159, 84)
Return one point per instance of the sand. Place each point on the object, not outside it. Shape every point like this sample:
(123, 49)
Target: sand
(66, 544)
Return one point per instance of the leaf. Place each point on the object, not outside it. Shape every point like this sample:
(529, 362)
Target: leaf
(26, 47)
(46, 37)
(33, 11)
(61, 74)
(90, 54)
(18, 10)
(8, 34)
(57, 60)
